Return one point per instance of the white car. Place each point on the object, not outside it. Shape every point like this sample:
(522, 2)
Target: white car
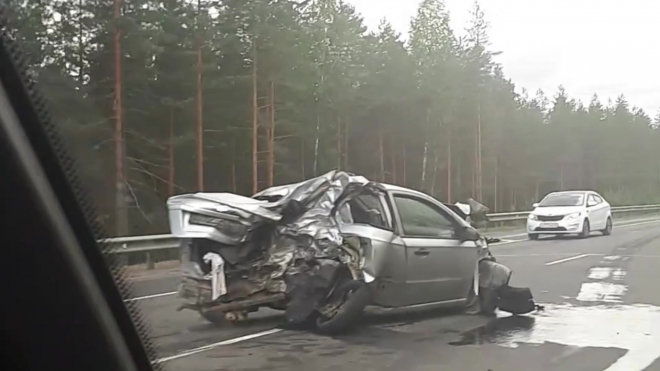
(570, 212)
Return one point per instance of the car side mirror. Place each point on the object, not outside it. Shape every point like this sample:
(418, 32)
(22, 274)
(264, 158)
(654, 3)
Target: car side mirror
(468, 234)
(535, 205)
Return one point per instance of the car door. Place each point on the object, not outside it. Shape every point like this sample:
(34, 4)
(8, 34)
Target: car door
(439, 267)
(595, 217)
(600, 208)
(592, 212)
(607, 209)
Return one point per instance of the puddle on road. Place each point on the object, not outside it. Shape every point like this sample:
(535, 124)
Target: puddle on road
(602, 292)
(630, 327)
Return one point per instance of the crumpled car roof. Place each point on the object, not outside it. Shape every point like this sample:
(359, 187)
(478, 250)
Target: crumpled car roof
(310, 208)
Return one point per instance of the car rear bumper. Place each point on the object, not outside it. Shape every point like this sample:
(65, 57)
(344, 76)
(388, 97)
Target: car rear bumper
(560, 227)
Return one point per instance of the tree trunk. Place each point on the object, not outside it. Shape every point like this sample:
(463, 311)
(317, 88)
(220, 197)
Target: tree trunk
(479, 159)
(199, 143)
(270, 134)
(449, 198)
(394, 173)
(121, 213)
(81, 50)
(316, 145)
(255, 118)
(425, 157)
(473, 175)
(233, 165)
(495, 190)
(536, 191)
(339, 154)
(347, 128)
(435, 171)
(459, 179)
(381, 153)
(302, 157)
(170, 172)
(405, 161)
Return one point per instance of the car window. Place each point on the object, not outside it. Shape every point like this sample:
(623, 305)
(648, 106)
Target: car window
(420, 218)
(598, 199)
(368, 209)
(563, 199)
(592, 201)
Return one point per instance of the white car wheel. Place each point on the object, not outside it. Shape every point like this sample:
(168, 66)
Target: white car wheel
(586, 229)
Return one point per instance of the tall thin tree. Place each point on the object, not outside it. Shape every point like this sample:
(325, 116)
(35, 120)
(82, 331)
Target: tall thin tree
(255, 120)
(121, 212)
(199, 129)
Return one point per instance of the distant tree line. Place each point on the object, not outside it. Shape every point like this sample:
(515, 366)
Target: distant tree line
(162, 97)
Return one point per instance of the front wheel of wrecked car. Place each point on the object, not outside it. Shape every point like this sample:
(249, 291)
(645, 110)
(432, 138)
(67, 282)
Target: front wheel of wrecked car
(353, 297)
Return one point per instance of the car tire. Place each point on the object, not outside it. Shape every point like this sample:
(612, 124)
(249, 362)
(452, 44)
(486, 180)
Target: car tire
(215, 317)
(586, 229)
(533, 236)
(608, 227)
(349, 312)
(221, 319)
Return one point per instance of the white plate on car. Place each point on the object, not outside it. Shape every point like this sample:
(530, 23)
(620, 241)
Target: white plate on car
(549, 225)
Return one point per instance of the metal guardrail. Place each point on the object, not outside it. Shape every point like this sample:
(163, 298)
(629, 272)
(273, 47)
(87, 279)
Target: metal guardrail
(147, 244)
(123, 245)
(521, 215)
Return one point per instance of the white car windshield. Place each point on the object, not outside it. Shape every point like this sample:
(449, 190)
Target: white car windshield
(563, 199)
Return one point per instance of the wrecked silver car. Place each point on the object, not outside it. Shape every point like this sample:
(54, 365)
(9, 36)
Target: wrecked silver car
(322, 250)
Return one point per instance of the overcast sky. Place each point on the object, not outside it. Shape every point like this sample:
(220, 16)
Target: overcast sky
(590, 46)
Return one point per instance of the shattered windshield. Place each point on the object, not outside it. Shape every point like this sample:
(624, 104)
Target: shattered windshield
(563, 199)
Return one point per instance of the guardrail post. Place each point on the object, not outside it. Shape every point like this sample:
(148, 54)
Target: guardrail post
(150, 261)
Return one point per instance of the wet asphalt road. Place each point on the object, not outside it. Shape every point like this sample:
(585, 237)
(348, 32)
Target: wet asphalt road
(602, 312)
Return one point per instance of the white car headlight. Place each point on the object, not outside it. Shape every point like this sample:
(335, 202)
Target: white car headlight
(572, 216)
(532, 217)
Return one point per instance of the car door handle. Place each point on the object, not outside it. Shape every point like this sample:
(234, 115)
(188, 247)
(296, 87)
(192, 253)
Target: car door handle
(422, 252)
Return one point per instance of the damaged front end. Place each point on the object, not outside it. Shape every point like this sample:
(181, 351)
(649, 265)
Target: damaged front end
(281, 248)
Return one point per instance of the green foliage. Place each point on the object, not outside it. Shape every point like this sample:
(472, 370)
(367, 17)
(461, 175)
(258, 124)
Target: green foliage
(417, 114)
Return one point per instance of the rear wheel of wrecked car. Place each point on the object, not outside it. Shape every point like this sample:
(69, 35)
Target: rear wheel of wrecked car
(348, 305)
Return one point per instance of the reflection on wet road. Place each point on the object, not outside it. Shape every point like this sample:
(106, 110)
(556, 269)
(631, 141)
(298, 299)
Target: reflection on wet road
(602, 312)
(629, 327)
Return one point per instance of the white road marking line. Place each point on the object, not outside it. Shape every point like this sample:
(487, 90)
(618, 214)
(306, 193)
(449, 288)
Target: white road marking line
(654, 219)
(505, 242)
(537, 255)
(151, 296)
(567, 259)
(215, 345)
(600, 273)
(602, 292)
(640, 223)
(513, 235)
(619, 274)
